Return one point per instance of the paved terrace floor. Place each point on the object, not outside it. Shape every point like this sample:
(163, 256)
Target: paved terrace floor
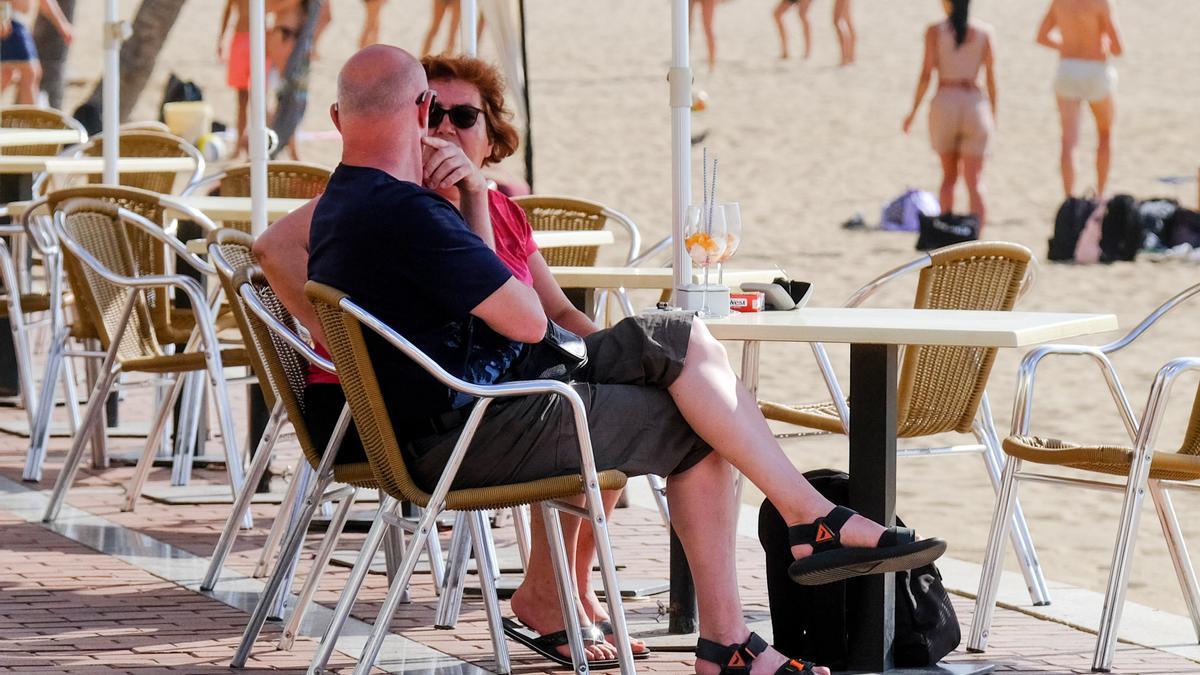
(106, 591)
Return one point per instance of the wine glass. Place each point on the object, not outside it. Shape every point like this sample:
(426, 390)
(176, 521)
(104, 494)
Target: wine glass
(733, 236)
(704, 239)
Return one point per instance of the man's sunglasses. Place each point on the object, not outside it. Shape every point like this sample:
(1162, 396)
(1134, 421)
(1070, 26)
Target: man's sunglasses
(462, 116)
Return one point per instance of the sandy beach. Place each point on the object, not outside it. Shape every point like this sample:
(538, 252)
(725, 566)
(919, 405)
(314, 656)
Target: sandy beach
(803, 146)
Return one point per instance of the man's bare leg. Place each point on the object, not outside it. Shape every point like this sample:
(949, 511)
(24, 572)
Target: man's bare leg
(949, 178)
(704, 514)
(1104, 111)
(1068, 113)
(27, 85)
(973, 176)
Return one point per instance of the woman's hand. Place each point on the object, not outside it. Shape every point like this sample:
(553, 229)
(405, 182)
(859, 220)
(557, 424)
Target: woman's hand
(908, 122)
(446, 165)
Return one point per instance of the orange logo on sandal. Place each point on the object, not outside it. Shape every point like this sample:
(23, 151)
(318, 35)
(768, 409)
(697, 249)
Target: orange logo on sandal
(737, 661)
(823, 533)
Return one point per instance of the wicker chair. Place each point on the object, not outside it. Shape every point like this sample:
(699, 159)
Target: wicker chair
(37, 117)
(343, 321)
(110, 289)
(280, 358)
(171, 325)
(942, 389)
(142, 143)
(1140, 464)
(290, 180)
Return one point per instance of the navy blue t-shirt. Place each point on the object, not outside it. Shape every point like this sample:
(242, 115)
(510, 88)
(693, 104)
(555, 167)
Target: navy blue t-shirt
(406, 255)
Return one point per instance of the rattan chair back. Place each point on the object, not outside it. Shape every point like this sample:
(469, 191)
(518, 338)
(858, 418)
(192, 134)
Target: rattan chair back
(345, 335)
(148, 253)
(285, 180)
(940, 387)
(141, 143)
(565, 214)
(97, 228)
(233, 255)
(35, 117)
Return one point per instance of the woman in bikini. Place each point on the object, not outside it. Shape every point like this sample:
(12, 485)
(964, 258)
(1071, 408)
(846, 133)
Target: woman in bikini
(960, 119)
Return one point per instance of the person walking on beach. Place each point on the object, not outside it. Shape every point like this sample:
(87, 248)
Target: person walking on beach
(440, 7)
(18, 55)
(960, 119)
(708, 10)
(370, 29)
(843, 25)
(1085, 35)
(801, 9)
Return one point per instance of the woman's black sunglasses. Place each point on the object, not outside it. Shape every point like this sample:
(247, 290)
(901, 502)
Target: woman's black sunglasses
(462, 116)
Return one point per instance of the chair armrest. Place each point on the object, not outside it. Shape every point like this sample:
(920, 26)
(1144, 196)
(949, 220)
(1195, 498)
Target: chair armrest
(196, 262)
(206, 181)
(655, 249)
(635, 235)
(1156, 404)
(193, 214)
(860, 296)
(1027, 373)
(252, 301)
(1151, 319)
(42, 236)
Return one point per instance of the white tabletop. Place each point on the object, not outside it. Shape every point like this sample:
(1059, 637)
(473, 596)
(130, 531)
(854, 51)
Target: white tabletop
(645, 277)
(92, 165)
(541, 238)
(14, 137)
(557, 239)
(909, 326)
(238, 208)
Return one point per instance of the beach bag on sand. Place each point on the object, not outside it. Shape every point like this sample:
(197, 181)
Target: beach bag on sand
(178, 90)
(1183, 228)
(1068, 224)
(1121, 232)
(946, 229)
(810, 622)
(903, 214)
(1087, 247)
(1155, 214)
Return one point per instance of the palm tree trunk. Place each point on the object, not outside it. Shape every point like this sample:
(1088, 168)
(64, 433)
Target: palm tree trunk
(52, 51)
(293, 93)
(151, 24)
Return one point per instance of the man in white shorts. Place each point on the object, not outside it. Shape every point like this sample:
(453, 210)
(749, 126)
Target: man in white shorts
(1085, 34)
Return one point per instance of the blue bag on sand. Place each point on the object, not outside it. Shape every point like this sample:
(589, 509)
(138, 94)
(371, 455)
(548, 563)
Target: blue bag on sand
(904, 213)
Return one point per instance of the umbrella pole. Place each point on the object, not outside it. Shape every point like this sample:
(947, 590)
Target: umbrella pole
(680, 79)
(525, 95)
(257, 124)
(470, 17)
(111, 117)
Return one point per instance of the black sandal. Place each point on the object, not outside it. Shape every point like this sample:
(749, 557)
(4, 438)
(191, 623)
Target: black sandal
(898, 549)
(607, 629)
(735, 659)
(547, 645)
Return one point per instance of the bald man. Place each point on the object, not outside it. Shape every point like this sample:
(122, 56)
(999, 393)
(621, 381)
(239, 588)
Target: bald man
(1085, 35)
(430, 272)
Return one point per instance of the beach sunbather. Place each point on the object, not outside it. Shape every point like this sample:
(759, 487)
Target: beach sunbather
(802, 10)
(960, 118)
(1085, 35)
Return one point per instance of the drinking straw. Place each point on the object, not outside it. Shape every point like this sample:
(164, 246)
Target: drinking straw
(712, 197)
(704, 195)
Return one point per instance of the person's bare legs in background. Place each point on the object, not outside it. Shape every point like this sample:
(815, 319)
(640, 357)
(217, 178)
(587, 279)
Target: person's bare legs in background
(843, 24)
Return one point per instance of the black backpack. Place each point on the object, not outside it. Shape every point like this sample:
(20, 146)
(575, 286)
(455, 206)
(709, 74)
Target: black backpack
(809, 622)
(178, 90)
(1121, 232)
(946, 229)
(1068, 224)
(1183, 228)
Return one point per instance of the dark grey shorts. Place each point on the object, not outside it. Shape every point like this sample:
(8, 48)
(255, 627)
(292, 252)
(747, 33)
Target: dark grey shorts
(634, 424)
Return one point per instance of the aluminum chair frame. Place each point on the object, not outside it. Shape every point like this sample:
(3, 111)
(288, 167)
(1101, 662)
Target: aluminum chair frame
(39, 231)
(91, 146)
(1142, 431)
(204, 336)
(983, 427)
(301, 515)
(594, 513)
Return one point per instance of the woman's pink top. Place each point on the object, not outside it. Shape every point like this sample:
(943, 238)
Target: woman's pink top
(514, 245)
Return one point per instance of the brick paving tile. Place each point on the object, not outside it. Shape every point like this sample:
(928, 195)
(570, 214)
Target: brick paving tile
(66, 607)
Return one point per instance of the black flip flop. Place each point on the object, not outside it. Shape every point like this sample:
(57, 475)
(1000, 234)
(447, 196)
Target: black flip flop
(606, 627)
(547, 644)
(898, 549)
